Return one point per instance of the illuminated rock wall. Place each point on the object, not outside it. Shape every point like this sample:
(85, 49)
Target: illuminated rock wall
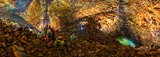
(143, 20)
(134, 19)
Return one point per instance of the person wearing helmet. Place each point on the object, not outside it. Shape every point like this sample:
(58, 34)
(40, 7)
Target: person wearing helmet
(59, 41)
(72, 37)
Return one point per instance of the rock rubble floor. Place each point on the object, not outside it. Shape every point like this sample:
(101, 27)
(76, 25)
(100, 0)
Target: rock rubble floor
(20, 42)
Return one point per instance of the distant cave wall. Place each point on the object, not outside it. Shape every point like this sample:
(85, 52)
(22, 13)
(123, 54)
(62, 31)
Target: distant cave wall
(103, 12)
(109, 22)
(34, 12)
(60, 13)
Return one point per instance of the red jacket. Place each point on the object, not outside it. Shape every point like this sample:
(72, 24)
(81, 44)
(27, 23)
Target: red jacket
(52, 30)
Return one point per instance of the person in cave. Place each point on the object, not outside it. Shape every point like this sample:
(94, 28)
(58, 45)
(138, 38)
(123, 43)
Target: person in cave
(72, 37)
(59, 41)
(52, 33)
(46, 31)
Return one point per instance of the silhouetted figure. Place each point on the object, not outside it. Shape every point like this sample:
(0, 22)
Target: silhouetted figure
(52, 33)
(46, 31)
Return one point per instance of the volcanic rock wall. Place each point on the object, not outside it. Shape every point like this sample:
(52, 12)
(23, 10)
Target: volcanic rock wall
(142, 19)
(134, 19)
(103, 12)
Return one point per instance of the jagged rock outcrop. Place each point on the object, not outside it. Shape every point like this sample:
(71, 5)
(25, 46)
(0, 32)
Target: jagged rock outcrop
(142, 18)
